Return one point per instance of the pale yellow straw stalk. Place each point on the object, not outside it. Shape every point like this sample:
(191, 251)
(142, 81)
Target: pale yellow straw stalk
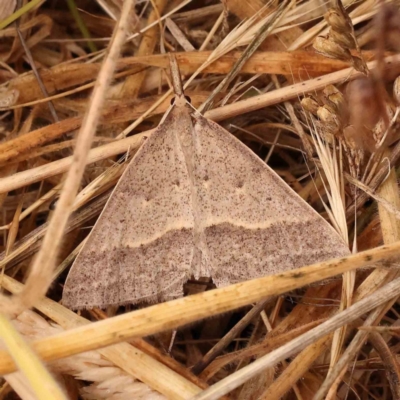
(128, 358)
(42, 383)
(109, 381)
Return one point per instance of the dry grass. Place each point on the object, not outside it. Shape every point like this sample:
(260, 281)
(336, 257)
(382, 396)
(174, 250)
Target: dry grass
(313, 92)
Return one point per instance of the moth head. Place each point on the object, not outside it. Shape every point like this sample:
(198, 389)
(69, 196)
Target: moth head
(180, 100)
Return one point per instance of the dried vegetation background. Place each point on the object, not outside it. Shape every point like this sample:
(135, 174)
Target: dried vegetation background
(310, 86)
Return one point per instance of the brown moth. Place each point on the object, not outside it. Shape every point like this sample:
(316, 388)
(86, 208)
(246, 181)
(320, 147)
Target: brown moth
(194, 201)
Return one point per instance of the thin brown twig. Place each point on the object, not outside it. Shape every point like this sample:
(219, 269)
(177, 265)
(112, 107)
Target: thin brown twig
(227, 339)
(351, 349)
(34, 69)
(258, 38)
(255, 103)
(389, 362)
(236, 379)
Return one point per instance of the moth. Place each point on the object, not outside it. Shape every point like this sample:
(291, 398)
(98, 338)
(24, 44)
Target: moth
(194, 201)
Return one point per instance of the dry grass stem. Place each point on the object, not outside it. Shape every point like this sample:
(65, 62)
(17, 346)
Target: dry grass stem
(390, 229)
(183, 311)
(391, 290)
(43, 384)
(42, 269)
(132, 360)
(255, 103)
(108, 380)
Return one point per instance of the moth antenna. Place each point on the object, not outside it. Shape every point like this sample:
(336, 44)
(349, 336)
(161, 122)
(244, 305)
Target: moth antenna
(175, 75)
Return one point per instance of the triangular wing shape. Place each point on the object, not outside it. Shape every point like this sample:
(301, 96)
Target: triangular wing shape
(254, 224)
(141, 248)
(194, 200)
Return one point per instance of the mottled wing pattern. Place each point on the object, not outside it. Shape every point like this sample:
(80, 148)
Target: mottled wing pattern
(141, 248)
(254, 223)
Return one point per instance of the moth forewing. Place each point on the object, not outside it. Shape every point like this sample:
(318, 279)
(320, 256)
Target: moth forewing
(140, 248)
